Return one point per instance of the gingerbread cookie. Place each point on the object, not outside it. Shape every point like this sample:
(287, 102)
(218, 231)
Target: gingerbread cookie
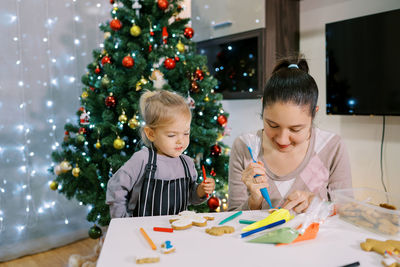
(186, 219)
(148, 259)
(220, 230)
(393, 246)
(167, 247)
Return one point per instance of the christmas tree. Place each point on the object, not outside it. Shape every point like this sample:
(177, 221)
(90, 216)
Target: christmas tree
(146, 47)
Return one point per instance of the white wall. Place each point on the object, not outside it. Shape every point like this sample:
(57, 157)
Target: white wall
(362, 134)
(244, 117)
(209, 16)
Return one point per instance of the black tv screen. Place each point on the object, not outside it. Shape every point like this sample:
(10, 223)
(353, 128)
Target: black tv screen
(363, 65)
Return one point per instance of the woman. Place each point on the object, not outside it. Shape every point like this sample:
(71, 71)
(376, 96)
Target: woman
(294, 160)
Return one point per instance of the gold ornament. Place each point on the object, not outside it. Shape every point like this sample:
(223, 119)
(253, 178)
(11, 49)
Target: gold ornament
(53, 185)
(227, 151)
(98, 144)
(65, 166)
(220, 137)
(206, 98)
(135, 31)
(115, 8)
(76, 171)
(143, 80)
(84, 95)
(107, 35)
(180, 46)
(80, 138)
(138, 86)
(123, 118)
(119, 143)
(133, 123)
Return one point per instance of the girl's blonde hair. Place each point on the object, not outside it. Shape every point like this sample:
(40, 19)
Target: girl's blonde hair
(159, 108)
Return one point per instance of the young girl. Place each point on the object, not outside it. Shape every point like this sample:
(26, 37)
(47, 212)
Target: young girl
(296, 160)
(158, 179)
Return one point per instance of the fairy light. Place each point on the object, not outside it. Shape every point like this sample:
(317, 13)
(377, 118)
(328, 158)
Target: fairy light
(26, 168)
(29, 207)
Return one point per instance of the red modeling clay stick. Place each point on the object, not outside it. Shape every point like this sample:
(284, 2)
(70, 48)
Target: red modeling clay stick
(204, 176)
(162, 229)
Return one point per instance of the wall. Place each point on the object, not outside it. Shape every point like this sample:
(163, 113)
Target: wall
(207, 15)
(362, 134)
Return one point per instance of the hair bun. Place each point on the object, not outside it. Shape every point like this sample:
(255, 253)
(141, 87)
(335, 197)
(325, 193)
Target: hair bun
(293, 62)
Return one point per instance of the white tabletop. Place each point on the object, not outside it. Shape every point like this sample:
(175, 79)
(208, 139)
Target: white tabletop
(337, 244)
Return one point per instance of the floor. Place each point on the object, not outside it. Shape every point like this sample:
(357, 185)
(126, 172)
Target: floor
(56, 257)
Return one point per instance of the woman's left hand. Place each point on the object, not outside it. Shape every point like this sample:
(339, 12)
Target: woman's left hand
(298, 201)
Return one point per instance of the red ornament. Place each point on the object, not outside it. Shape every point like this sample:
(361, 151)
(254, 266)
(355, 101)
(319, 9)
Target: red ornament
(128, 62)
(151, 33)
(169, 63)
(82, 130)
(222, 120)
(105, 60)
(82, 109)
(194, 87)
(97, 70)
(212, 172)
(216, 150)
(177, 59)
(188, 32)
(199, 74)
(115, 24)
(110, 101)
(66, 136)
(111, 2)
(164, 34)
(162, 4)
(213, 203)
(150, 48)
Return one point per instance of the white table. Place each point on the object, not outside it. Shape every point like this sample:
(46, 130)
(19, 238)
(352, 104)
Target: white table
(337, 244)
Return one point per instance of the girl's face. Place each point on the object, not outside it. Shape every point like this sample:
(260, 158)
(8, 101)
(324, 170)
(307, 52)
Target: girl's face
(287, 125)
(173, 139)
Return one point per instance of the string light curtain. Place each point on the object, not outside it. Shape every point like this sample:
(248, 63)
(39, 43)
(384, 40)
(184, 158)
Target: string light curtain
(46, 46)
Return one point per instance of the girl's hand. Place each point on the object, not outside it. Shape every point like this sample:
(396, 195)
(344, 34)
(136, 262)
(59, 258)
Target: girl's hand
(206, 187)
(298, 201)
(254, 184)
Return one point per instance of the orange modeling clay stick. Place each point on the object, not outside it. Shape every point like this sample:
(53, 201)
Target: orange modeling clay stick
(148, 239)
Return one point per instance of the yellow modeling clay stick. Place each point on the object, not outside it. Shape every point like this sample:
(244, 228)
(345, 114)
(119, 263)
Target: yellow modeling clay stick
(280, 214)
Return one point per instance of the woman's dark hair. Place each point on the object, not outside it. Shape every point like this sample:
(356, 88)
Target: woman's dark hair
(290, 82)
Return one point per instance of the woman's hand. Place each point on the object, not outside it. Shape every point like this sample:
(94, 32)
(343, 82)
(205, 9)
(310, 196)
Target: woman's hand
(254, 184)
(206, 187)
(298, 201)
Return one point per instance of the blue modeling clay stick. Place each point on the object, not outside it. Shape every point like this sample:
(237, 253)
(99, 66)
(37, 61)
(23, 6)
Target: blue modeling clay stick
(264, 191)
(262, 228)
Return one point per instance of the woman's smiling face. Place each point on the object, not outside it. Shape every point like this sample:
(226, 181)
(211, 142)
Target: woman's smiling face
(287, 125)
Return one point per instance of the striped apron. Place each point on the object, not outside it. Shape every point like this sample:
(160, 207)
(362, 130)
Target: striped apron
(162, 197)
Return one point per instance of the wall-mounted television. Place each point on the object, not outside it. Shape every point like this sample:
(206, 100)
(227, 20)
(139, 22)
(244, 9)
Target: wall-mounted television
(363, 65)
(237, 62)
